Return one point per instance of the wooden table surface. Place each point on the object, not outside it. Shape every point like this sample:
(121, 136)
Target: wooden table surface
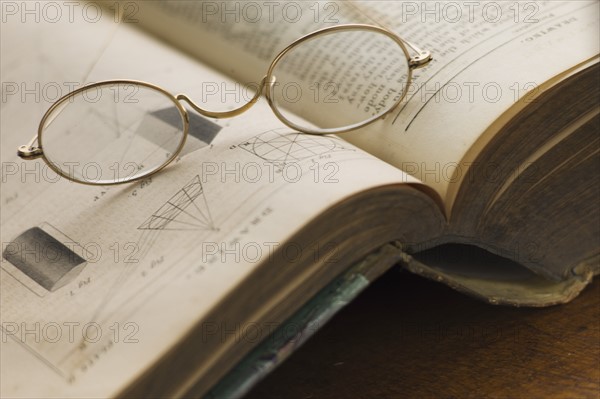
(406, 337)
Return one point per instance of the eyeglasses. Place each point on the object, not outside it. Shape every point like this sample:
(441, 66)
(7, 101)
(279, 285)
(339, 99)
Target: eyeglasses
(331, 81)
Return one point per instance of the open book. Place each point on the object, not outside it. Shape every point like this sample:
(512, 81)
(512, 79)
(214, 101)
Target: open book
(158, 288)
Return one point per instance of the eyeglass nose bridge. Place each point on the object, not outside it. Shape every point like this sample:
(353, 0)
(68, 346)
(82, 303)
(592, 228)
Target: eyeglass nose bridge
(225, 114)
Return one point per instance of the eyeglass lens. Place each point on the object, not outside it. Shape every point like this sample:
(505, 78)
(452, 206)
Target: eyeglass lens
(112, 132)
(340, 79)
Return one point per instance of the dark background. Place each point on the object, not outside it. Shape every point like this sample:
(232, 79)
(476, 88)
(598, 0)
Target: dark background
(407, 337)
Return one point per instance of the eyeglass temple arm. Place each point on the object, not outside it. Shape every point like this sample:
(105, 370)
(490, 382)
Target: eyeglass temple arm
(226, 114)
(422, 58)
(28, 151)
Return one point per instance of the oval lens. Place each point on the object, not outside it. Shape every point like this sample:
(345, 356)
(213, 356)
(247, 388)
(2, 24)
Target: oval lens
(112, 132)
(339, 80)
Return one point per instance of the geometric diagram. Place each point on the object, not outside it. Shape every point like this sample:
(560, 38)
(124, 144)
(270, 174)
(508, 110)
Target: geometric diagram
(48, 258)
(186, 210)
(285, 147)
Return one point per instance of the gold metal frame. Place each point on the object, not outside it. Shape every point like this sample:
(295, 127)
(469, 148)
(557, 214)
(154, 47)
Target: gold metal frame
(420, 60)
(31, 151)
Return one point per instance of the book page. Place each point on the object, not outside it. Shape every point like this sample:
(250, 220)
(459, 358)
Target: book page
(129, 269)
(487, 56)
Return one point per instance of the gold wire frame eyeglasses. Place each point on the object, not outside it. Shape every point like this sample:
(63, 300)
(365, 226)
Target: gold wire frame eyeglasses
(341, 78)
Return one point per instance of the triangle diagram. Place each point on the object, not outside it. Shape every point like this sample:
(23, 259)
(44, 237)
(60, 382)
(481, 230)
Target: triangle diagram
(186, 210)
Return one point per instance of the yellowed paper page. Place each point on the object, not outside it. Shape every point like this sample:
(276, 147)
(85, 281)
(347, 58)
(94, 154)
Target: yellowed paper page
(487, 55)
(132, 268)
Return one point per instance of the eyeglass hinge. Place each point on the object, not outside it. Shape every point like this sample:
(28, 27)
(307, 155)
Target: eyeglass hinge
(26, 152)
(420, 60)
